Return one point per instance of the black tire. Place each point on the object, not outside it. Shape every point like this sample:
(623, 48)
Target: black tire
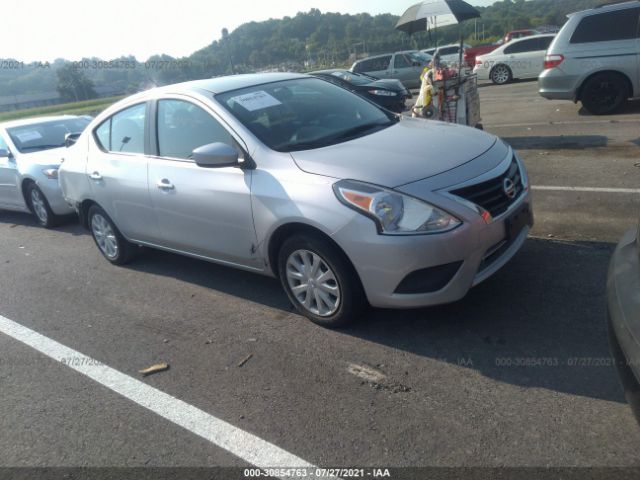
(113, 246)
(604, 93)
(39, 206)
(501, 75)
(351, 300)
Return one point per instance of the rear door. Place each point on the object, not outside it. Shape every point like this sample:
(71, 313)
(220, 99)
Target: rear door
(525, 58)
(405, 71)
(10, 195)
(117, 172)
(201, 211)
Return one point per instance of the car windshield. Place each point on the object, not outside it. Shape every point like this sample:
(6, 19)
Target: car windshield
(304, 114)
(420, 57)
(46, 135)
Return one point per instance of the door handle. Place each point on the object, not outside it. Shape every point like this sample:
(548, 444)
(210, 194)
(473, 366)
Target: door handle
(95, 176)
(165, 184)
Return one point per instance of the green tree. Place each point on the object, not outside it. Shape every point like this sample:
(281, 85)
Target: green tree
(73, 84)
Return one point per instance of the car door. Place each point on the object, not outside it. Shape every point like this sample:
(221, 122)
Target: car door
(404, 70)
(202, 211)
(117, 172)
(10, 194)
(521, 57)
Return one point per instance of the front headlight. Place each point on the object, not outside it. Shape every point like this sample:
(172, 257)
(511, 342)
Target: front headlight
(383, 93)
(393, 212)
(51, 173)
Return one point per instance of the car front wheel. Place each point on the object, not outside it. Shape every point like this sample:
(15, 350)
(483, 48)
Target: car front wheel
(40, 207)
(501, 74)
(113, 246)
(320, 282)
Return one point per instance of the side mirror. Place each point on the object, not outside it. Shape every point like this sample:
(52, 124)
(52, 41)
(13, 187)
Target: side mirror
(216, 155)
(4, 153)
(71, 139)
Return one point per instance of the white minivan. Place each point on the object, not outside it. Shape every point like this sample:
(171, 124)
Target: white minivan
(521, 58)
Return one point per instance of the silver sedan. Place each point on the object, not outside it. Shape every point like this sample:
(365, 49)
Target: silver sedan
(290, 176)
(30, 154)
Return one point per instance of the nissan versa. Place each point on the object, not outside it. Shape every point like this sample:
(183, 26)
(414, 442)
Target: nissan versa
(291, 176)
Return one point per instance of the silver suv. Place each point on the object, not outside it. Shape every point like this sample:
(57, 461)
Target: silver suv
(294, 177)
(595, 59)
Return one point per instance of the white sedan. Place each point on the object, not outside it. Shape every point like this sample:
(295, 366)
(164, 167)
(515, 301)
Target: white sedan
(520, 58)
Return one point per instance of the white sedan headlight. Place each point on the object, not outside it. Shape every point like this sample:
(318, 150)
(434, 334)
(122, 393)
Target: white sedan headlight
(394, 212)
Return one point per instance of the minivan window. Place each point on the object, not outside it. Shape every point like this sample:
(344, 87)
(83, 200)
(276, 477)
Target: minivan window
(183, 127)
(373, 64)
(124, 131)
(608, 26)
(448, 51)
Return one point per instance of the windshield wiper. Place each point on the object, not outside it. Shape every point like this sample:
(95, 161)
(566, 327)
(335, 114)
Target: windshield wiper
(360, 129)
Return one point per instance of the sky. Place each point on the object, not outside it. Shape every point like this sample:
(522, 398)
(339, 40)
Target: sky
(43, 30)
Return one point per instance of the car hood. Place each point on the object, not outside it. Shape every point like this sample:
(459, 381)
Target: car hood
(391, 84)
(411, 150)
(53, 156)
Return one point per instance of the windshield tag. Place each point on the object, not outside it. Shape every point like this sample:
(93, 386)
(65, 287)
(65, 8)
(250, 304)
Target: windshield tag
(29, 136)
(256, 101)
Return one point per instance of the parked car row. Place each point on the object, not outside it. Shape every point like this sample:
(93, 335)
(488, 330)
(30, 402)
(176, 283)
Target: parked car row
(293, 177)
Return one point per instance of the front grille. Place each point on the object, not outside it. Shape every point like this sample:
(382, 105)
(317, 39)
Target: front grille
(491, 195)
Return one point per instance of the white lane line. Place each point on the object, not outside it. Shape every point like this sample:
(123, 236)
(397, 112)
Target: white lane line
(585, 189)
(242, 444)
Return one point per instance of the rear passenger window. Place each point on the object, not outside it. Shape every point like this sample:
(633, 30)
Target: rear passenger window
(124, 131)
(523, 46)
(609, 26)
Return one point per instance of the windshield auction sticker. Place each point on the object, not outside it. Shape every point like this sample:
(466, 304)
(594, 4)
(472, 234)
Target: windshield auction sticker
(256, 101)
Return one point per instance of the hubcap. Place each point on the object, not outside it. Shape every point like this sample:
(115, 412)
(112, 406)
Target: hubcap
(500, 75)
(39, 208)
(104, 235)
(313, 283)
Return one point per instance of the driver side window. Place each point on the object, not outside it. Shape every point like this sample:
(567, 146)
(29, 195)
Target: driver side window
(183, 127)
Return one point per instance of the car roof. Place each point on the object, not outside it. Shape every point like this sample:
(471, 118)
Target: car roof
(33, 120)
(608, 7)
(330, 71)
(518, 40)
(225, 84)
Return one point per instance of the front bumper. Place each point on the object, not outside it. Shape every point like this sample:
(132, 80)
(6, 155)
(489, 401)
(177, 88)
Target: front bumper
(384, 261)
(623, 305)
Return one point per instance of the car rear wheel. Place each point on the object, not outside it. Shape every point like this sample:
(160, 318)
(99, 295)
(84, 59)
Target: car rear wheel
(40, 207)
(113, 246)
(604, 93)
(501, 74)
(320, 282)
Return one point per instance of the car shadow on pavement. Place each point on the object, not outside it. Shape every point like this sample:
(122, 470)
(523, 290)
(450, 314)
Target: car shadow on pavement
(546, 308)
(632, 106)
(538, 323)
(68, 224)
(551, 142)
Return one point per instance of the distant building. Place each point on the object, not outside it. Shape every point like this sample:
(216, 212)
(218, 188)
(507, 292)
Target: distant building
(29, 100)
(34, 100)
